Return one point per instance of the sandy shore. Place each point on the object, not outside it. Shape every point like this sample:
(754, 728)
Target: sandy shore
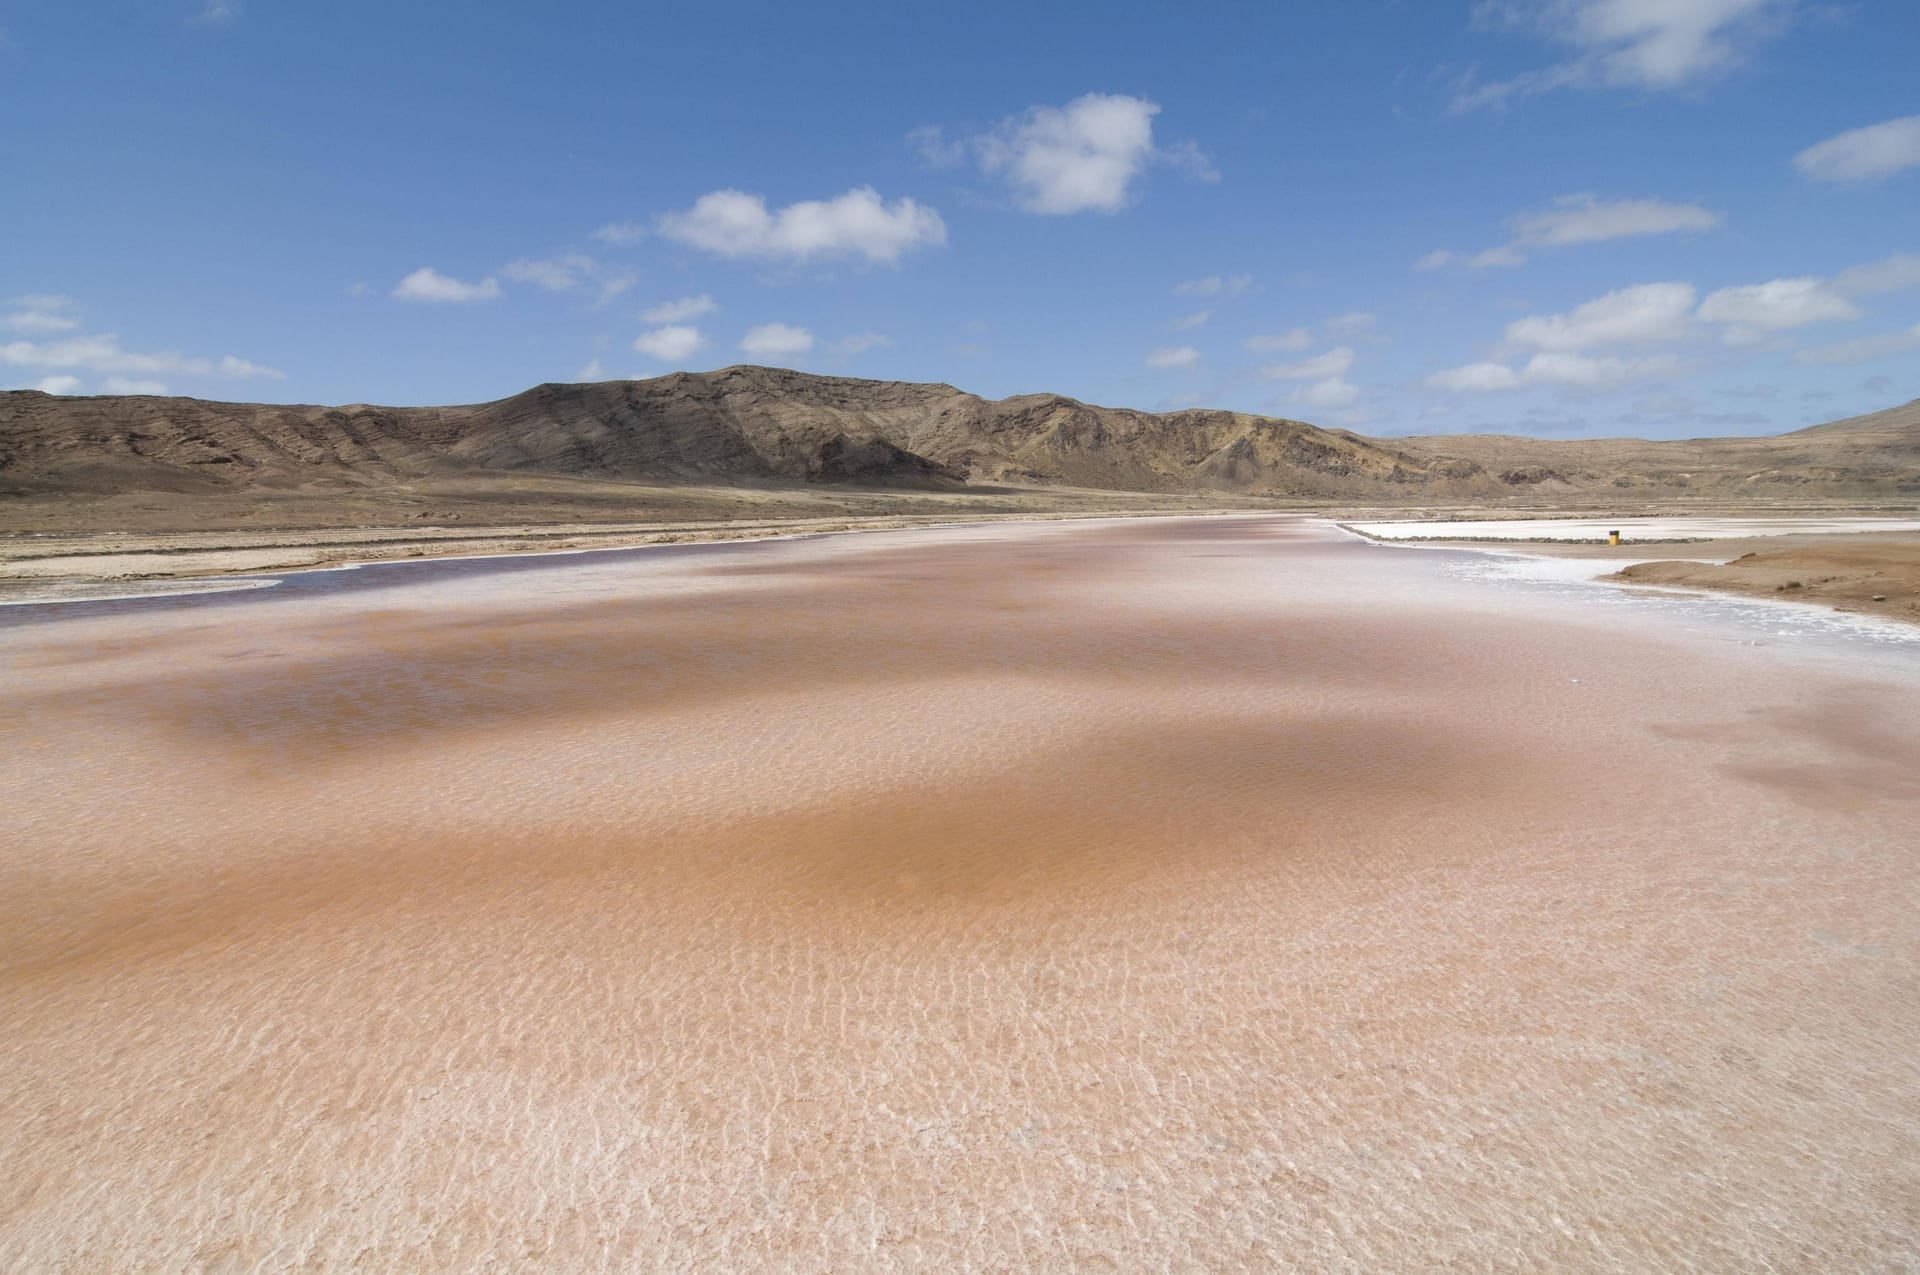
(77, 567)
(1212, 894)
(1869, 572)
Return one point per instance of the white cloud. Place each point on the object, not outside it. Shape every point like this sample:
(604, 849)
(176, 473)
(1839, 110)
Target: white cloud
(240, 369)
(58, 385)
(104, 354)
(1891, 274)
(1637, 315)
(1576, 219)
(1504, 255)
(1280, 342)
(1754, 312)
(1173, 356)
(1587, 372)
(1351, 326)
(621, 233)
(776, 340)
(1331, 392)
(1476, 378)
(217, 13)
(591, 372)
(428, 284)
(1656, 45)
(1332, 363)
(1864, 154)
(1215, 285)
(122, 385)
(568, 273)
(1586, 219)
(1579, 371)
(670, 344)
(44, 301)
(732, 223)
(680, 310)
(1862, 349)
(556, 274)
(860, 343)
(1194, 320)
(936, 149)
(1081, 157)
(38, 321)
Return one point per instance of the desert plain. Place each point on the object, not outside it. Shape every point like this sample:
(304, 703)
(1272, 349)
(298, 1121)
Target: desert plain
(1177, 893)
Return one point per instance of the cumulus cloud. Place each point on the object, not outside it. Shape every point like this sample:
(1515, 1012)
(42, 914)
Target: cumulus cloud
(732, 223)
(1280, 342)
(776, 340)
(1862, 349)
(1864, 154)
(591, 372)
(217, 13)
(1754, 312)
(680, 310)
(58, 385)
(1332, 363)
(1085, 156)
(1194, 320)
(1647, 313)
(1173, 356)
(670, 344)
(39, 312)
(1438, 259)
(1651, 45)
(1215, 285)
(428, 284)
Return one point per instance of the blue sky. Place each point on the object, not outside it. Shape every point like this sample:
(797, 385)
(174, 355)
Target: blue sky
(1564, 217)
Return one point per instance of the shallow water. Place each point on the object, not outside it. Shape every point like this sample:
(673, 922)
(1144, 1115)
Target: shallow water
(1188, 893)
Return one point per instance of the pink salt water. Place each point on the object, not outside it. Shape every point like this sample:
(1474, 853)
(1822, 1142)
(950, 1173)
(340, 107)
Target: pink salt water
(1171, 894)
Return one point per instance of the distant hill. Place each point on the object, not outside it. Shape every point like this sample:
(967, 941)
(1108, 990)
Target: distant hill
(747, 426)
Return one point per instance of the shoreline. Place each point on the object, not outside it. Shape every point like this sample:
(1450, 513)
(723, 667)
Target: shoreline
(228, 567)
(1869, 573)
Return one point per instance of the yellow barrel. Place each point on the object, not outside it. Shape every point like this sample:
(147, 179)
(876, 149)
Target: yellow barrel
(1613, 537)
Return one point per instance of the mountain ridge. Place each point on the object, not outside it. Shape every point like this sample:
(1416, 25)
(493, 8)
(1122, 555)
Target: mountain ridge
(748, 425)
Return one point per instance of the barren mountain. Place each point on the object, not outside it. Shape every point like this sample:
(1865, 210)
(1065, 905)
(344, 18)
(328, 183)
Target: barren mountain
(756, 426)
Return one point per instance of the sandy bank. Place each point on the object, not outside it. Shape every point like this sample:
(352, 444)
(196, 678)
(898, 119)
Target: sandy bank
(1879, 575)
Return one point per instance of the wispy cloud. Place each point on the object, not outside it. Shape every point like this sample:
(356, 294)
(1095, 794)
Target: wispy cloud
(1647, 45)
(1864, 154)
(680, 310)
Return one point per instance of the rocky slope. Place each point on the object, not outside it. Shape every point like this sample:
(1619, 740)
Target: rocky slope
(749, 426)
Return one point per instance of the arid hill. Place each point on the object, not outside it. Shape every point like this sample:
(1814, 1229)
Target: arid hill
(748, 427)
